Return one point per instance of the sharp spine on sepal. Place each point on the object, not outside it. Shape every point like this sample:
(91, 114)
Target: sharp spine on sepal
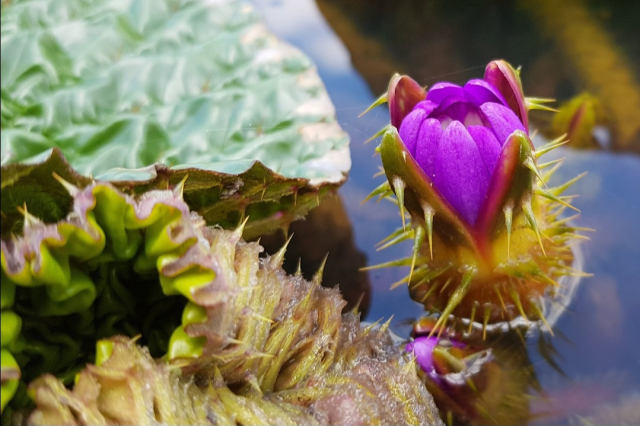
(398, 187)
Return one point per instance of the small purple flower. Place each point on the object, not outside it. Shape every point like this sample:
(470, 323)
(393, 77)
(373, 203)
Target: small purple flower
(456, 136)
(422, 348)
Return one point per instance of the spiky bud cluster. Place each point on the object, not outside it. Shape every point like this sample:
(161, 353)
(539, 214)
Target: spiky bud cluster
(252, 345)
(490, 241)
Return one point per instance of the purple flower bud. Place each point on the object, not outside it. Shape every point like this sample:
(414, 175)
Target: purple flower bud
(456, 135)
(422, 348)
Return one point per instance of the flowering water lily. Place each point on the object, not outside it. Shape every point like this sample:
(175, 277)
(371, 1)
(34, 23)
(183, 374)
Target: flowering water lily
(487, 230)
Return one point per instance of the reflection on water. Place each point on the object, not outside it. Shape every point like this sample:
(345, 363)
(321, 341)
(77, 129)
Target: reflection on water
(596, 343)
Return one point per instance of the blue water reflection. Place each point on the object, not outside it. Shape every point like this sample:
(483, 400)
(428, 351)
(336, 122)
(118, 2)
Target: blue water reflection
(599, 349)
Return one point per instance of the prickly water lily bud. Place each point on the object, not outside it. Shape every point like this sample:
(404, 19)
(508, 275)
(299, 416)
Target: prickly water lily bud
(490, 241)
(582, 118)
(474, 381)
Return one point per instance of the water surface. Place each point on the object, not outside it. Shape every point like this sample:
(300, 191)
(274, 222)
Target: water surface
(597, 344)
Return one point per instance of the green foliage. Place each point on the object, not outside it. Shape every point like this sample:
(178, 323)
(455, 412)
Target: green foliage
(201, 88)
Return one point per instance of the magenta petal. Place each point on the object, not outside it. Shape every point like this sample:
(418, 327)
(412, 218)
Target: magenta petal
(503, 120)
(410, 128)
(440, 91)
(427, 146)
(422, 348)
(427, 106)
(479, 92)
(488, 146)
(461, 175)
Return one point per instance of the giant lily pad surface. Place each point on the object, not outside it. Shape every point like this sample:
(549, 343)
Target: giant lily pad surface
(144, 93)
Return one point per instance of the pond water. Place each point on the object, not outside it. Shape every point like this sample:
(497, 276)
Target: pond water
(597, 344)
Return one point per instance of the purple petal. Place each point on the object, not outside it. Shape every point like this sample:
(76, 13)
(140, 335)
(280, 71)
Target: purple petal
(461, 175)
(455, 108)
(440, 91)
(479, 92)
(427, 106)
(410, 128)
(488, 146)
(427, 146)
(422, 348)
(503, 121)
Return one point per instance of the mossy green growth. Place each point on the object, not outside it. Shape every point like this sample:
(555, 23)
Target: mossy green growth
(142, 93)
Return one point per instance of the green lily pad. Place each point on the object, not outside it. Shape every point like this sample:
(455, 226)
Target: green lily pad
(144, 92)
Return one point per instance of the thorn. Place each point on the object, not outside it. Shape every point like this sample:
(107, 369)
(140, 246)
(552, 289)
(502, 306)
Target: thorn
(541, 100)
(29, 219)
(400, 262)
(428, 220)
(403, 237)
(454, 301)
(551, 163)
(427, 275)
(71, 188)
(558, 142)
(528, 212)
(264, 188)
(398, 185)
(538, 103)
(417, 244)
(504, 307)
(356, 307)
(424, 275)
(508, 221)
(299, 270)
(377, 134)
(240, 229)
(531, 165)
(278, 258)
(552, 171)
(429, 292)
(568, 219)
(384, 327)
(394, 234)
(261, 318)
(487, 314)
(516, 299)
(370, 327)
(561, 188)
(317, 278)
(381, 100)
(446, 284)
(550, 196)
(399, 283)
(236, 341)
(541, 316)
(379, 173)
(178, 190)
(473, 316)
